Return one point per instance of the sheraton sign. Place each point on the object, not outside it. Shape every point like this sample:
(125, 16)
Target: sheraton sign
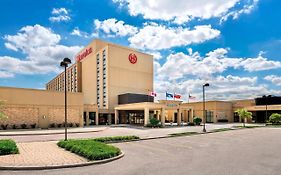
(84, 54)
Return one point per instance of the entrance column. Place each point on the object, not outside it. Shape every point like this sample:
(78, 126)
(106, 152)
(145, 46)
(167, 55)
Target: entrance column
(163, 117)
(146, 116)
(179, 116)
(87, 118)
(116, 117)
(191, 115)
(109, 119)
(97, 117)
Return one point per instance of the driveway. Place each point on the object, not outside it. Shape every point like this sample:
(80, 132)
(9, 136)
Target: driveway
(245, 151)
(117, 131)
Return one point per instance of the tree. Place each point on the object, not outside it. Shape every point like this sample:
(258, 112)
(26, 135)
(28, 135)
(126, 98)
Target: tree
(244, 114)
(275, 118)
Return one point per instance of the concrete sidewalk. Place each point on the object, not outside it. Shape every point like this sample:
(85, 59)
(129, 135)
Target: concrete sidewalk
(40, 154)
(23, 132)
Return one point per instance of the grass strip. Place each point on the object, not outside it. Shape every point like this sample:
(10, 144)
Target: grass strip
(116, 139)
(221, 129)
(90, 149)
(183, 134)
(8, 146)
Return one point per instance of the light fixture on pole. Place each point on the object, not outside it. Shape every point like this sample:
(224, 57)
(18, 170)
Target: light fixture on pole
(204, 110)
(266, 96)
(65, 63)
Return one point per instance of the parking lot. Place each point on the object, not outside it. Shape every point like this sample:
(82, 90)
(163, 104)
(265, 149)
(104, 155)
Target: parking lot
(245, 151)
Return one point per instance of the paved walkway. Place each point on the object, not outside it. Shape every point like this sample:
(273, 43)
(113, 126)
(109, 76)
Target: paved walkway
(21, 132)
(239, 152)
(120, 131)
(40, 154)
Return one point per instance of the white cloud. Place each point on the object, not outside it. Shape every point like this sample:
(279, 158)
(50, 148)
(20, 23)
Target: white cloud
(179, 65)
(42, 49)
(59, 14)
(113, 27)
(77, 32)
(247, 9)
(180, 11)
(259, 63)
(4, 74)
(274, 79)
(221, 88)
(156, 55)
(156, 37)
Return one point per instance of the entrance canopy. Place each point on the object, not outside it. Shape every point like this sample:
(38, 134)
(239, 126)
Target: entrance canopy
(161, 107)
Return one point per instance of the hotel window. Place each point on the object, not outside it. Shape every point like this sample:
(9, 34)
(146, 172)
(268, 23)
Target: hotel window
(98, 81)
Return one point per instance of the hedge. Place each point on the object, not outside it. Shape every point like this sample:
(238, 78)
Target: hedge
(8, 146)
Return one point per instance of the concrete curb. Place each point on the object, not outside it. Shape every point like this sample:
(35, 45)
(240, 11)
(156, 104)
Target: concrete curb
(48, 167)
(53, 133)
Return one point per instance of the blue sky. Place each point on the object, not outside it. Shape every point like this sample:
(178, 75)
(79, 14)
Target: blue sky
(232, 44)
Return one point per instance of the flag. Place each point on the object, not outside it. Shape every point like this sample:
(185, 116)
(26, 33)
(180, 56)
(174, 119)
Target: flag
(153, 94)
(177, 96)
(169, 95)
(191, 97)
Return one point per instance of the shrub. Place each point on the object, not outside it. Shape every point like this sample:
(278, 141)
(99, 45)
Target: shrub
(222, 120)
(33, 125)
(275, 118)
(23, 126)
(90, 149)
(77, 124)
(154, 122)
(59, 125)
(14, 126)
(8, 146)
(70, 124)
(190, 124)
(52, 125)
(4, 126)
(116, 138)
(197, 120)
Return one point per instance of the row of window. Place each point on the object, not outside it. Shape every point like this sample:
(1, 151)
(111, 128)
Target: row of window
(58, 83)
(103, 79)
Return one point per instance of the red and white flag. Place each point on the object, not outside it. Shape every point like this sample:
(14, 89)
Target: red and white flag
(191, 97)
(177, 96)
(153, 94)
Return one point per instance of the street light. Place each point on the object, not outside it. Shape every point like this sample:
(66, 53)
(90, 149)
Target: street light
(65, 63)
(204, 111)
(266, 96)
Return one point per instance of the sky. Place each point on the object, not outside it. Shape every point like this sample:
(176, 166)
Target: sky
(234, 45)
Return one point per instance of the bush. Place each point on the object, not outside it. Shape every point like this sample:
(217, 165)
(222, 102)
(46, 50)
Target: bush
(90, 149)
(190, 124)
(275, 118)
(14, 126)
(33, 125)
(71, 125)
(197, 121)
(52, 125)
(77, 124)
(8, 146)
(59, 125)
(4, 126)
(222, 120)
(23, 126)
(153, 122)
(116, 138)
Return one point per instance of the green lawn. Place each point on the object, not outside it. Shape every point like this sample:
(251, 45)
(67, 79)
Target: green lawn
(116, 139)
(183, 134)
(90, 149)
(221, 129)
(8, 146)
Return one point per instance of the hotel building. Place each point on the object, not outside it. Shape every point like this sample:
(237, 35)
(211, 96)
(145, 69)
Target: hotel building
(109, 84)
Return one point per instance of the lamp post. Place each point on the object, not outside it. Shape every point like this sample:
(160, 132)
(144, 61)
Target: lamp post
(266, 96)
(204, 110)
(65, 63)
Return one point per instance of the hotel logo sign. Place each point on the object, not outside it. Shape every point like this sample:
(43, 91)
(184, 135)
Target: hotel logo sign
(84, 54)
(133, 58)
